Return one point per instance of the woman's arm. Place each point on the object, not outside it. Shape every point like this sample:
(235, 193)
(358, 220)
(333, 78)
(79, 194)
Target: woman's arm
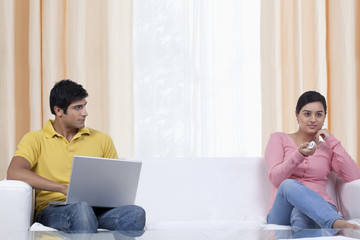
(342, 163)
(278, 165)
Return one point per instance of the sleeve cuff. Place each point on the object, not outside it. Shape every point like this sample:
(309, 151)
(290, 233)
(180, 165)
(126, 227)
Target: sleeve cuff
(332, 141)
(298, 157)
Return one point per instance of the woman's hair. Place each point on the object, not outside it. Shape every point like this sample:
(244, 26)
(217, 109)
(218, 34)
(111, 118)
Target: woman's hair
(309, 97)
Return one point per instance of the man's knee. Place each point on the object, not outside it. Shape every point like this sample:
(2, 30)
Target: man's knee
(82, 208)
(139, 217)
(73, 218)
(134, 219)
(83, 218)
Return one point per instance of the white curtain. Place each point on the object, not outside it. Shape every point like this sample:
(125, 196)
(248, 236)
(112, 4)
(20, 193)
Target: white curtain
(197, 78)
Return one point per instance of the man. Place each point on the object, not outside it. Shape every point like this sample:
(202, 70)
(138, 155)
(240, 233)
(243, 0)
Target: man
(44, 159)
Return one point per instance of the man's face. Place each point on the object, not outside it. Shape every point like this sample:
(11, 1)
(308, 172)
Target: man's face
(76, 115)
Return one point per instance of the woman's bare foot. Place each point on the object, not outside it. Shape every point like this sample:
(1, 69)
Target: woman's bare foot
(339, 223)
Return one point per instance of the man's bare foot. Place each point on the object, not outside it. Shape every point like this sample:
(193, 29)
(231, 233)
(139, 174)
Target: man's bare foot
(339, 223)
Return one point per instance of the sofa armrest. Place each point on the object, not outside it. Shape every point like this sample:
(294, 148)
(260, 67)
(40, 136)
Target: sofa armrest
(348, 198)
(16, 206)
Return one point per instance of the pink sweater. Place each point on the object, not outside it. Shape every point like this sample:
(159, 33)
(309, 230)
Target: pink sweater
(284, 161)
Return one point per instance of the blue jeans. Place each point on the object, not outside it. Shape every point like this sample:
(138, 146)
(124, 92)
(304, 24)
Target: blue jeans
(81, 218)
(302, 208)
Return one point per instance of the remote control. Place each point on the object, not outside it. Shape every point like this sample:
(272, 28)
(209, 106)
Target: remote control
(311, 145)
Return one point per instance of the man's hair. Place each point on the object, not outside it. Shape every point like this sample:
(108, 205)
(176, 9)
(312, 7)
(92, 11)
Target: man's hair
(309, 97)
(64, 93)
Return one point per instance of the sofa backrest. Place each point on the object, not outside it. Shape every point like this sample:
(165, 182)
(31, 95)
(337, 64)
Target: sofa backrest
(188, 189)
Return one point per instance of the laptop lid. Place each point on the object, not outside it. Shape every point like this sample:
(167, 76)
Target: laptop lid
(103, 182)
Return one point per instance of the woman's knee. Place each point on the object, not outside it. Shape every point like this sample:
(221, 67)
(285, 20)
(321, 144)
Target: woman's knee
(289, 183)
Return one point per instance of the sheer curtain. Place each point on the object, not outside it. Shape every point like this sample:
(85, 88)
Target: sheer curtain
(197, 78)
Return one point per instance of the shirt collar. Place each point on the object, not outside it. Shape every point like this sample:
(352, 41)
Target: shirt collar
(50, 131)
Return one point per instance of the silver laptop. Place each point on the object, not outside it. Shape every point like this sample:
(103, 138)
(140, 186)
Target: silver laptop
(103, 182)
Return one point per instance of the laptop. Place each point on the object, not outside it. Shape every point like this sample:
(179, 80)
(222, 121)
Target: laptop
(102, 182)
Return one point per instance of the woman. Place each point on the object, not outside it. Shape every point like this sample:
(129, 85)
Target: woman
(299, 173)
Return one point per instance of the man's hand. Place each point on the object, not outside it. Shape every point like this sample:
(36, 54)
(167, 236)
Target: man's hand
(65, 189)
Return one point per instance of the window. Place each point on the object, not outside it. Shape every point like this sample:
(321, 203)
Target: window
(197, 78)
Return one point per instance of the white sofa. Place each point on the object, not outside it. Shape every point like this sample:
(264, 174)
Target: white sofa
(189, 194)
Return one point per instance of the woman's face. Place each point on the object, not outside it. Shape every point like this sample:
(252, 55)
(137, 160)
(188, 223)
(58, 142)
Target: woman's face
(311, 117)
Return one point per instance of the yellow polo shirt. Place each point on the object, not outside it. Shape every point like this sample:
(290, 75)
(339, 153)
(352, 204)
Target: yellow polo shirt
(51, 155)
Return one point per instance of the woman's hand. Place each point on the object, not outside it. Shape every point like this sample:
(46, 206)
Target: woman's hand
(304, 150)
(324, 133)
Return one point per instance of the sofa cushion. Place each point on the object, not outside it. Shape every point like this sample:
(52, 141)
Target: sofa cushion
(198, 189)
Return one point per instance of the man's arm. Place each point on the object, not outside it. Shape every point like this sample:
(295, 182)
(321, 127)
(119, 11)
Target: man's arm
(20, 169)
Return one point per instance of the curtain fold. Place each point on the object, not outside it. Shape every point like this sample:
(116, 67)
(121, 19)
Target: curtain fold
(7, 98)
(35, 65)
(311, 45)
(43, 42)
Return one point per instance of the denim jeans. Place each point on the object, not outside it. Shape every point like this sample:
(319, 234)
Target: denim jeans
(302, 208)
(81, 218)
